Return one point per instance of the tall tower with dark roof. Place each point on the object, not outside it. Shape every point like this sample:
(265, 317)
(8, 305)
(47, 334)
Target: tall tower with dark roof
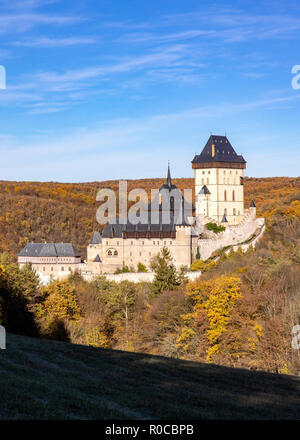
(219, 176)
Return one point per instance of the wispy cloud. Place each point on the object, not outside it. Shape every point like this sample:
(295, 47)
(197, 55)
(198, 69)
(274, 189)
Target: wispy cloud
(157, 38)
(226, 24)
(56, 42)
(26, 4)
(77, 78)
(22, 22)
(253, 75)
(112, 145)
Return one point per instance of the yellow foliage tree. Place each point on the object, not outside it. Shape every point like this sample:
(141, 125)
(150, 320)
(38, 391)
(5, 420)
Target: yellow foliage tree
(60, 303)
(213, 300)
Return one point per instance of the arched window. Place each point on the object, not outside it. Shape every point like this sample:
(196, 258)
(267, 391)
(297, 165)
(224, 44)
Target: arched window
(233, 195)
(109, 253)
(225, 195)
(115, 253)
(225, 211)
(234, 211)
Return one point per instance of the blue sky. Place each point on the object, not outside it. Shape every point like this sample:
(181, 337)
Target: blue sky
(101, 90)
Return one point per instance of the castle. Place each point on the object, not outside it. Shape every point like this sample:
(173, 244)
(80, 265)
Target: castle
(219, 200)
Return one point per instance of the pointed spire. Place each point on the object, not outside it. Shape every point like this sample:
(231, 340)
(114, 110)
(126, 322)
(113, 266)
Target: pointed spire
(224, 219)
(252, 204)
(169, 181)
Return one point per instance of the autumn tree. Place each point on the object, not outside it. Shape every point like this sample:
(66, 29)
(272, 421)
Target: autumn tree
(60, 304)
(18, 289)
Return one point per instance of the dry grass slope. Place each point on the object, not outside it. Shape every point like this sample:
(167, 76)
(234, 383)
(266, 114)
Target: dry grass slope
(56, 380)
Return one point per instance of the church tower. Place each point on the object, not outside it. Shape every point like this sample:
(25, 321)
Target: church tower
(219, 181)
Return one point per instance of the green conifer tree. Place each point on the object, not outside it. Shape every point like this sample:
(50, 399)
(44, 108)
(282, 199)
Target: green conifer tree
(166, 277)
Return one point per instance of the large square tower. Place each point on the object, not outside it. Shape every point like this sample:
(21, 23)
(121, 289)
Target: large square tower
(219, 181)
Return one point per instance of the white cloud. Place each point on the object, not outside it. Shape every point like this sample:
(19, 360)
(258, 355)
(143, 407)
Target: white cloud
(157, 38)
(114, 147)
(56, 42)
(22, 22)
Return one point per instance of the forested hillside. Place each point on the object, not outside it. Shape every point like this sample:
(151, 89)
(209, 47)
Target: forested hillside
(35, 211)
(239, 313)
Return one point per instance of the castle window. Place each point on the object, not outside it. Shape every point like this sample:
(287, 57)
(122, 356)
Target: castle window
(130, 254)
(165, 242)
(51, 268)
(143, 242)
(149, 254)
(225, 211)
(203, 172)
(207, 181)
(234, 211)
(132, 242)
(158, 242)
(140, 254)
(154, 242)
(233, 196)
(44, 268)
(225, 195)
(170, 242)
(115, 253)
(109, 253)
(118, 243)
(224, 172)
(209, 172)
(62, 268)
(70, 269)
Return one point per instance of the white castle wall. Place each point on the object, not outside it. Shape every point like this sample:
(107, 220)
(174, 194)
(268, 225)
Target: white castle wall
(135, 277)
(234, 235)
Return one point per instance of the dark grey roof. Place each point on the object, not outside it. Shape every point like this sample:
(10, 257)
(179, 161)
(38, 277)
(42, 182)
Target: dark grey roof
(116, 229)
(49, 250)
(252, 204)
(204, 190)
(96, 238)
(97, 259)
(224, 219)
(159, 219)
(224, 152)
